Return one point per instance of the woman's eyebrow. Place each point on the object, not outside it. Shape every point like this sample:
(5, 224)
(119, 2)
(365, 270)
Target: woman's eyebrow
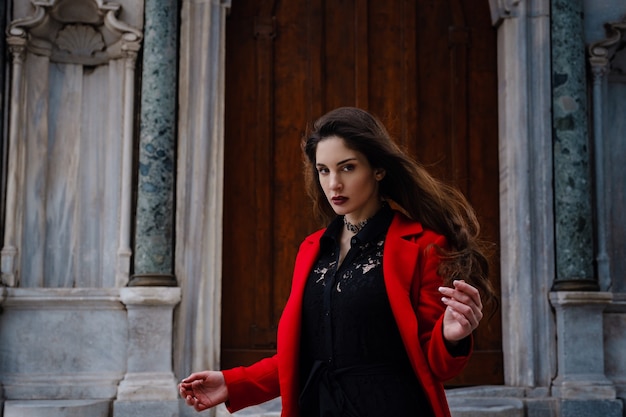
(319, 164)
(346, 160)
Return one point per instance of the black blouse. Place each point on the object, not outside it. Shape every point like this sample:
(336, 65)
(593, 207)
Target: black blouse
(351, 349)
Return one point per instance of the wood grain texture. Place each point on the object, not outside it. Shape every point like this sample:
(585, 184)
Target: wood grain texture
(426, 68)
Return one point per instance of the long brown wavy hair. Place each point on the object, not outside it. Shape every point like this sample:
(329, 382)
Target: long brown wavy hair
(408, 187)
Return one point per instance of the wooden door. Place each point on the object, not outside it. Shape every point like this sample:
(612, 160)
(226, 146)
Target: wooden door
(426, 68)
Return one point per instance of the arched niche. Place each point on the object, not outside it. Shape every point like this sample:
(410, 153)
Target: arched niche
(69, 146)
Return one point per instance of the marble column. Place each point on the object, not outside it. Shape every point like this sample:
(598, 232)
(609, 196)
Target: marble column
(572, 178)
(601, 54)
(153, 255)
(14, 164)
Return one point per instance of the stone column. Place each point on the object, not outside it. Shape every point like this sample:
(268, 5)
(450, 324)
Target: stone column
(149, 386)
(572, 177)
(155, 191)
(581, 384)
(15, 163)
(601, 53)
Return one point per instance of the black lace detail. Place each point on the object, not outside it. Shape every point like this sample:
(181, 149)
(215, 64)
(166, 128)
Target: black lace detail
(350, 339)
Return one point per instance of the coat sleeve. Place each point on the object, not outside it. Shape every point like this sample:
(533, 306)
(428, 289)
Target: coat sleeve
(429, 308)
(252, 385)
(262, 381)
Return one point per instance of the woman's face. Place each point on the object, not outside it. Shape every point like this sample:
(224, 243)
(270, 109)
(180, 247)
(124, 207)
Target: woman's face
(349, 182)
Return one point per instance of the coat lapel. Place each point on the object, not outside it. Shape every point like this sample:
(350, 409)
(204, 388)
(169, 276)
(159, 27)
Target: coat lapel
(400, 255)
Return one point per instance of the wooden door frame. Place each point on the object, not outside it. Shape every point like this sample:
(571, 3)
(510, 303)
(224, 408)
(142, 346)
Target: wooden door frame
(524, 134)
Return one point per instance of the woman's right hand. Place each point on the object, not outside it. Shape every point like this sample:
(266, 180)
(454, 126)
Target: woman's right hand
(203, 390)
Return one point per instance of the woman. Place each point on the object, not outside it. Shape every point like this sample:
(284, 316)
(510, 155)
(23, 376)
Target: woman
(383, 301)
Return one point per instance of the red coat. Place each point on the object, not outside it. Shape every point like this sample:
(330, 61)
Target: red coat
(412, 282)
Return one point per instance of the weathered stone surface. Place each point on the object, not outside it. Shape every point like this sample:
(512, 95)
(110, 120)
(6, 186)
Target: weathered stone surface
(64, 343)
(145, 408)
(486, 407)
(594, 408)
(58, 408)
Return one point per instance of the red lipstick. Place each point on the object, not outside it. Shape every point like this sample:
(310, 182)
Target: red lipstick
(339, 200)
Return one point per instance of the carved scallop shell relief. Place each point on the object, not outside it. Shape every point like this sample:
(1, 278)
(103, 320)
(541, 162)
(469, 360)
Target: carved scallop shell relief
(80, 40)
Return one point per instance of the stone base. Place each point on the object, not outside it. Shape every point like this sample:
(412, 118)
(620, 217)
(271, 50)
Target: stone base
(591, 408)
(459, 406)
(268, 409)
(541, 407)
(57, 408)
(486, 407)
(145, 408)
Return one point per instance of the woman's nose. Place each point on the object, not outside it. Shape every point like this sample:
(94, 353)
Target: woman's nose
(335, 183)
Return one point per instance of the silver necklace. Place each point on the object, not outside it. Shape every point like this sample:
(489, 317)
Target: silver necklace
(354, 228)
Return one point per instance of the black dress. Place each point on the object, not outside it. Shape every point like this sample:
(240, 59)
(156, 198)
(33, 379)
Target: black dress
(353, 361)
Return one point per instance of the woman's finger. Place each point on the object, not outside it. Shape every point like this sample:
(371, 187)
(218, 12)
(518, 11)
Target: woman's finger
(468, 290)
(468, 313)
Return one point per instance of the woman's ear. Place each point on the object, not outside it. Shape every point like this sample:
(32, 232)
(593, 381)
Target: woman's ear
(379, 174)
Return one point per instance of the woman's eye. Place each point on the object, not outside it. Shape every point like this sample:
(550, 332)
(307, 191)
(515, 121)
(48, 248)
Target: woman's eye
(348, 167)
(322, 171)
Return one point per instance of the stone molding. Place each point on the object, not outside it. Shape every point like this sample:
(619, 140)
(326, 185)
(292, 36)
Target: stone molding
(149, 296)
(62, 298)
(92, 36)
(503, 9)
(601, 52)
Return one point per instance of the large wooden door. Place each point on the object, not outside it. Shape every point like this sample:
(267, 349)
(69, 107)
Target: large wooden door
(427, 68)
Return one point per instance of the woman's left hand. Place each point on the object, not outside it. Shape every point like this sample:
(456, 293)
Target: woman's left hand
(463, 312)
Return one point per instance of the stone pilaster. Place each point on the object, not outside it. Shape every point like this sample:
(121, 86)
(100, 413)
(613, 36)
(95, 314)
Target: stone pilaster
(153, 255)
(199, 190)
(3, 10)
(526, 193)
(149, 386)
(572, 177)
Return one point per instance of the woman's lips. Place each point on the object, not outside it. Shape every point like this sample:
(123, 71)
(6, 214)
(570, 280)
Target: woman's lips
(339, 200)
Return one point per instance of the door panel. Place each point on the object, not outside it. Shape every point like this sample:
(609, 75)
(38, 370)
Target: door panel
(426, 68)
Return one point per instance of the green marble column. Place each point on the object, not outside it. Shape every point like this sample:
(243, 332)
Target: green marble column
(154, 248)
(572, 174)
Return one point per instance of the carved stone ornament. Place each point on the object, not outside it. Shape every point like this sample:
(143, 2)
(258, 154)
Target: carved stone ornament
(609, 54)
(83, 32)
(503, 9)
